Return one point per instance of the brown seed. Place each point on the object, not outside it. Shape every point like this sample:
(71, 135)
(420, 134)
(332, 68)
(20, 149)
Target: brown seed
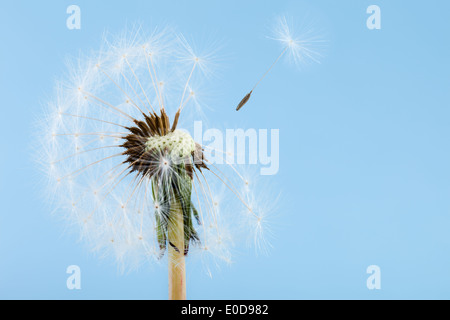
(244, 101)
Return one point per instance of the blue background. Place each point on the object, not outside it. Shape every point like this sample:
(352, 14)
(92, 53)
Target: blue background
(364, 170)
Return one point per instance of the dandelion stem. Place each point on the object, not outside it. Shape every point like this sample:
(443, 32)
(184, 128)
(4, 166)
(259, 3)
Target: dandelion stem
(177, 265)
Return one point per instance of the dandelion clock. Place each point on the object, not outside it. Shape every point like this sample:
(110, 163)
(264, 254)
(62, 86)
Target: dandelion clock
(122, 169)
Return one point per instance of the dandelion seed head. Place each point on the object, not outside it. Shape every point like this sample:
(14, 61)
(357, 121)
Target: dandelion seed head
(178, 143)
(119, 163)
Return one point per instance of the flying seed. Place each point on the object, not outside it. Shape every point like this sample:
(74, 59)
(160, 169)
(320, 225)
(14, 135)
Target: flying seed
(247, 97)
(244, 101)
